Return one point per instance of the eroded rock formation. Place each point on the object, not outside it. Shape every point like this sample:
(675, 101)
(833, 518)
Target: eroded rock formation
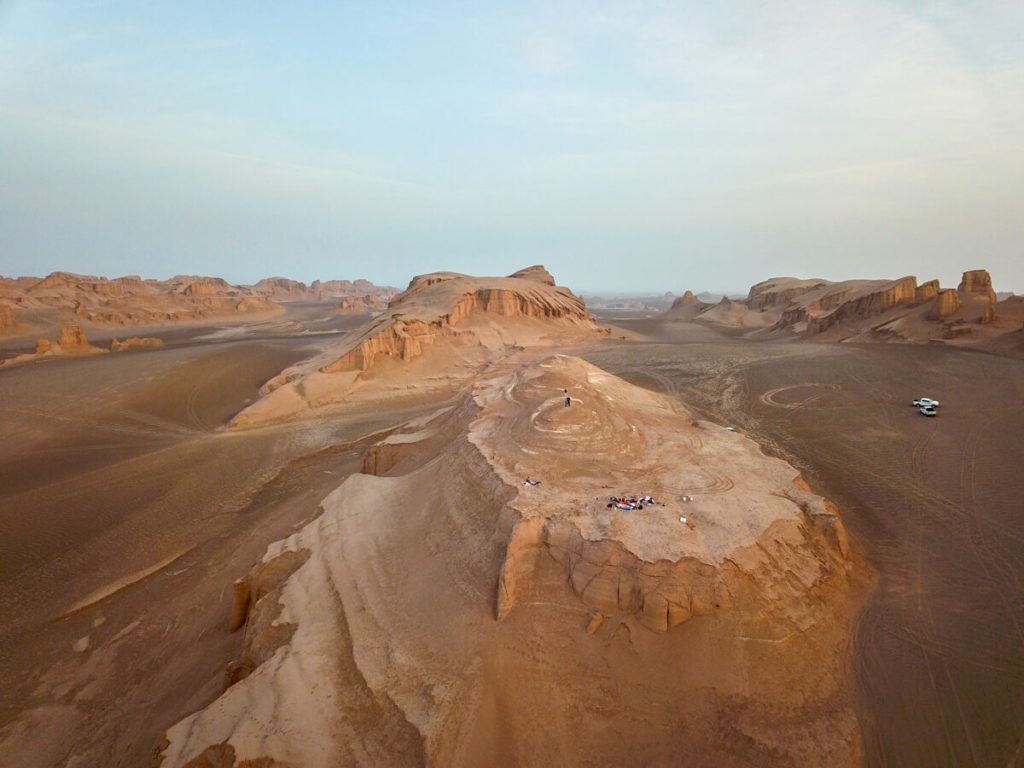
(456, 317)
(944, 304)
(6, 317)
(441, 611)
(926, 291)
(977, 281)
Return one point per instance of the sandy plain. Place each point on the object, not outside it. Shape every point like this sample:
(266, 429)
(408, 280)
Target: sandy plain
(125, 514)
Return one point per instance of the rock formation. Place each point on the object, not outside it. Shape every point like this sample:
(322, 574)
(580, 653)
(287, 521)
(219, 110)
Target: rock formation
(6, 317)
(926, 291)
(352, 305)
(778, 292)
(71, 338)
(944, 304)
(977, 281)
(284, 289)
(866, 303)
(441, 611)
(131, 301)
(136, 342)
(686, 307)
(454, 317)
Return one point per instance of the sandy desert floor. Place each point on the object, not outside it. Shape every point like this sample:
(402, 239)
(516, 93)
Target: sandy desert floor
(125, 515)
(936, 506)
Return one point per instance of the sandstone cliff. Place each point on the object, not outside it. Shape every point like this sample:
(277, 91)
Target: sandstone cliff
(7, 322)
(977, 281)
(944, 304)
(867, 310)
(869, 301)
(463, 323)
(440, 611)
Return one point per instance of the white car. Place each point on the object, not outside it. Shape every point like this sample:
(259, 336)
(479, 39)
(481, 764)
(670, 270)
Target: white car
(925, 402)
(928, 410)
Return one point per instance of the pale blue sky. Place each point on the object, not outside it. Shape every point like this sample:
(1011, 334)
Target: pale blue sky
(630, 146)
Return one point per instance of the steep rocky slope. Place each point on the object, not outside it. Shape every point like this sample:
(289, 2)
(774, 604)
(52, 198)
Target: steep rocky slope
(440, 611)
(441, 330)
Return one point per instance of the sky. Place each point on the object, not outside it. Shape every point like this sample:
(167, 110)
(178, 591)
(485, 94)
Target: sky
(628, 146)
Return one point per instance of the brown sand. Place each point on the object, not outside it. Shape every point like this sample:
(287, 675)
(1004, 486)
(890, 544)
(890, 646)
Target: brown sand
(935, 504)
(120, 505)
(124, 517)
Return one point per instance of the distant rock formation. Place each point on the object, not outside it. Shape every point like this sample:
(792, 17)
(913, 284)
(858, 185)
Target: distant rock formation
(136, 342)
(6, 317)
(284, 289)
(686, 307)
(863, 304)
(71, 338)
(71, 341)
(945, 303)
(504, 297)
(575, 620)
(351, 305)
(926, 291)
(780, 291)
(977, 281)
(459, 317)
(537, 273)
(866, 310)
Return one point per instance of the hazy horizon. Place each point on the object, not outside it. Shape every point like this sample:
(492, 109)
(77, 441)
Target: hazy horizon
(623, 146)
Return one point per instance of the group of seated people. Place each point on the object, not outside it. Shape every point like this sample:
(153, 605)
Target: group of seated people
(630, 502)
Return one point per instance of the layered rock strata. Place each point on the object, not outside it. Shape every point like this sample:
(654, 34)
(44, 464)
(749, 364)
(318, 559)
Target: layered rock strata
(442, 611)
(453, 317)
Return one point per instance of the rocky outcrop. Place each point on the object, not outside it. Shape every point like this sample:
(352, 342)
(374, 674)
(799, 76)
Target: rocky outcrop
(685, 307)
(537, 273)
(562, 604)
(944, 304)
(926, 291)
(352, 305)
(865, 304)
(136, 342)
(438, 333)
(778, 292)
(208, 286)
(403, 335)
(977, 281)
(72, 337)
(6, 317)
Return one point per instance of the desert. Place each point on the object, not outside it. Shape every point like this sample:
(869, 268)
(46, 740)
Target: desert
(517, 384)
(427, 550)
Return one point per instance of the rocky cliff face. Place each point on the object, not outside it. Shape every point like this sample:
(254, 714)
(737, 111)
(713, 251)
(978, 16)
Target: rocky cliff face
(977, 281)
(72, 337)
(944, 304)
(131, 301)
(642, 636)
(866, 304)
(473, 319)
(926, 291)
(6, 317)
(778, 292)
